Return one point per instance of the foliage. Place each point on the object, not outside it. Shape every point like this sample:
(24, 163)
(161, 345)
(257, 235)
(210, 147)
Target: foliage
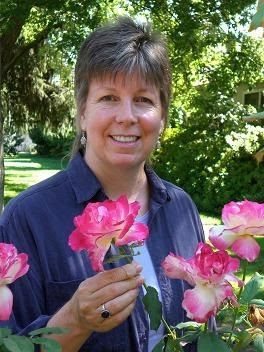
(204, 39)
(11, 142)
(211, 156)
(14, 343)
(58, 144)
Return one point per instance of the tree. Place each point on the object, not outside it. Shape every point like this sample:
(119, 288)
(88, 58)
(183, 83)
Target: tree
(38, 40)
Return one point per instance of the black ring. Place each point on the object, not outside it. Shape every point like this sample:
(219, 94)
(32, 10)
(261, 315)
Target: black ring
(104, 312)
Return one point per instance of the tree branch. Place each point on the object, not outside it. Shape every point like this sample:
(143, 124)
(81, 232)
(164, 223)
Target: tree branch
(25, 48)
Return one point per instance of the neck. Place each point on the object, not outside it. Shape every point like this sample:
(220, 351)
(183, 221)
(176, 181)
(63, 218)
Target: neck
(131, 182)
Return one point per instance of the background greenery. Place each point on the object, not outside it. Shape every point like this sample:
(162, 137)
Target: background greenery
(207, 150)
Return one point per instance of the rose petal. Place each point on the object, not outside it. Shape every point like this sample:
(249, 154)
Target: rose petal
(246, 247)
(203, 301)
(222, 238)
(138, 232)
(176, 267)
(6, 302)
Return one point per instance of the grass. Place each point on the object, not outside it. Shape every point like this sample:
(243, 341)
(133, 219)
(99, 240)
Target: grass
(24, 170)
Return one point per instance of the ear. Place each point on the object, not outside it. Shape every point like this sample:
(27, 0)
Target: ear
(83, 122)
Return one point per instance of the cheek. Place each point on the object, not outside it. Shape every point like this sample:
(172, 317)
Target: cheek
(153, 127)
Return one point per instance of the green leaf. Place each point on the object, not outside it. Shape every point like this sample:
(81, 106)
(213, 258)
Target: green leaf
(172, 345)
(47, 331)
(49, 344)
(252, 289)
(15, 343)
(159, 347)
(209, 342)
(5, 332)
(244, 340)
(190, 336)
(153, 307)
(258, 342)
(189, 324)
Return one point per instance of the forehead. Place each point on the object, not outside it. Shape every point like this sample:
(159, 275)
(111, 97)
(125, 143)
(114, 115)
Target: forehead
(124, 80)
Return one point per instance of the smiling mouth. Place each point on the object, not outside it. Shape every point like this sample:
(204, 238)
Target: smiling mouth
(125, 139)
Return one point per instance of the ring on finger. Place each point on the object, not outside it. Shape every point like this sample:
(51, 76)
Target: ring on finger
(105, 312)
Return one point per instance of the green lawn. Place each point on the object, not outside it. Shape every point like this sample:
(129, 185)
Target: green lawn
(24, 170)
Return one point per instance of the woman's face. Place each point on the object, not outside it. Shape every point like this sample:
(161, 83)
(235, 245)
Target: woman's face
(122, 119)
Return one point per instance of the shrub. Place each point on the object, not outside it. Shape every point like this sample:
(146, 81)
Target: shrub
(51, 144)
(11, 143)
(210, 156)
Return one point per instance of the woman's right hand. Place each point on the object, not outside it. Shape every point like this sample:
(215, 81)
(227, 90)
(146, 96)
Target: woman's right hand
(117, 289)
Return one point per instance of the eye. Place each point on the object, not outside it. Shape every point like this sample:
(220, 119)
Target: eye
(143, 99)
(108, 98)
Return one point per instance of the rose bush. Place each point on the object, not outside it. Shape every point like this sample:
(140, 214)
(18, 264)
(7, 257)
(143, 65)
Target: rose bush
(238, 312)
(210, 273)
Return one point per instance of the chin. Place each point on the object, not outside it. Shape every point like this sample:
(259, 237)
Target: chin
(127, 163)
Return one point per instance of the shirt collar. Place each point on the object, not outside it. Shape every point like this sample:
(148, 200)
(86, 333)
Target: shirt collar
(84, 182)
(158, 190)
(86, 185)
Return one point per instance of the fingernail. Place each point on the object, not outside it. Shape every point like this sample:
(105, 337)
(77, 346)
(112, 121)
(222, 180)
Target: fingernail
(139, 268)
(140, 281)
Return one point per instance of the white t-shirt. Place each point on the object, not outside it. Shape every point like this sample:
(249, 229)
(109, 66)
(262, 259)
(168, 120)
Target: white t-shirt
(150, 277)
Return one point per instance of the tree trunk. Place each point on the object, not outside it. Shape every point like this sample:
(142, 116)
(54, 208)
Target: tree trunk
(2, 168)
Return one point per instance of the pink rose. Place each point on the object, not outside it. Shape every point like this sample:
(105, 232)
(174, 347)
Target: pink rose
(12, 266)
(106, 222)
(242, 221)
(210, 273)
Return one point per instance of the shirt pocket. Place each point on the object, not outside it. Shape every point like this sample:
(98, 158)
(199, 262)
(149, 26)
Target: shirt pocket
(58, 293)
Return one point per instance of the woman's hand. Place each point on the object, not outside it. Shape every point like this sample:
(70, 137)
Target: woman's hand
(117, 289)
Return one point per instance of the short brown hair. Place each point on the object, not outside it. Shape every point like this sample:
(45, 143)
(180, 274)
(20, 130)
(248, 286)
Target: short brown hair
(126, 47)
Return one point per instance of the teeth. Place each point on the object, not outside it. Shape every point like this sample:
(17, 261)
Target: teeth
(125, 139)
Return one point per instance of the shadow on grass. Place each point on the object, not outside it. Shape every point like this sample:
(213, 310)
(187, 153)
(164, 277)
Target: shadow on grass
(45, 163)
(14, 189)
(24, 170)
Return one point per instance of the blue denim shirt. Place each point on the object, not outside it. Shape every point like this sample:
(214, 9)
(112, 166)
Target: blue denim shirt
(39, 222)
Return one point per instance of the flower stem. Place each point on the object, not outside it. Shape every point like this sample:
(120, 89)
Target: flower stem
(244, 266)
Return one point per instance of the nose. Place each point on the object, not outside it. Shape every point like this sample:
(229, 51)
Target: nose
(126, 112)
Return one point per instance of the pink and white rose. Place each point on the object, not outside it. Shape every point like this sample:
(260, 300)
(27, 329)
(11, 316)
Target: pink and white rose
(12, 266)
(103, 223)
(241, 222)
(210, 272)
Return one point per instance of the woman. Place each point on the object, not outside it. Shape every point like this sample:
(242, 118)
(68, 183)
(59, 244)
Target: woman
(122, 89)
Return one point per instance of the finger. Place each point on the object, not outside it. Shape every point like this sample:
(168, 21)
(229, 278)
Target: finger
(105, 278)
(118, 304)
(117, 319)
(115, 290)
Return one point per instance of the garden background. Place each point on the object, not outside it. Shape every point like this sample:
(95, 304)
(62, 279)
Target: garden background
(211, 146)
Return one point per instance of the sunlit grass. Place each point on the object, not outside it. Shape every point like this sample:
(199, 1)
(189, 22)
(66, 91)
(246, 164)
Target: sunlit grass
(24, 170)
